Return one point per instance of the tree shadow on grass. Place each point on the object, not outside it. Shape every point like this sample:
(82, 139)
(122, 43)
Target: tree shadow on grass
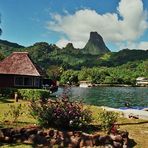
(10, 124)
(5, 100)
(89, 129)
(133, 123)
(132, 143)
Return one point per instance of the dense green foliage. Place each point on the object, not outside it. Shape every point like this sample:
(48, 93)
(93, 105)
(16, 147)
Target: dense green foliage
(33, 94)
(61, 113)
(26, 94)
(7, 92)
(72, 65)
(46, 55)
(124, 74)
(6, 48)
(127, 55)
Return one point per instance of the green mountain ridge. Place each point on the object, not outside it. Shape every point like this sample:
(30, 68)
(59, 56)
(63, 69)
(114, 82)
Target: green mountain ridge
(46, 55)
(7, 47)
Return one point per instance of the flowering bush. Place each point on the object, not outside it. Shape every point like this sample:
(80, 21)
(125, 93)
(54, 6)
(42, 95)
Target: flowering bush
(61, 113)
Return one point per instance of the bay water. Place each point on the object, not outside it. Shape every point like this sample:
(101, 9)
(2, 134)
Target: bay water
(116, 97)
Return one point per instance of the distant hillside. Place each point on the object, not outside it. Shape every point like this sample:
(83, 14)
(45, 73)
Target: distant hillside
(46, 55)
(123, 56)
(41, 52)
(68, 58)
(7, 47)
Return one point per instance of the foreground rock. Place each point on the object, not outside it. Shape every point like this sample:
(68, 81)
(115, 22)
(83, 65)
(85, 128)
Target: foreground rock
(72, 139)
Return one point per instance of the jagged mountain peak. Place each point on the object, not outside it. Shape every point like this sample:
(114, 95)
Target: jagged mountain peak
(69, 46)
(95, 44)
(95, 35)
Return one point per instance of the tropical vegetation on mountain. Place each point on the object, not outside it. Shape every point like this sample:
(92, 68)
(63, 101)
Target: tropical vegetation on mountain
(124, 74)
(94, 62)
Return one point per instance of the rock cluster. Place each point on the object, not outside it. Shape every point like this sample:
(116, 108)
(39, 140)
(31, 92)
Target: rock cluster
(72, 139)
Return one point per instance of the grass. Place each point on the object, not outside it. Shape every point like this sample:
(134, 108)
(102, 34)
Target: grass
(137, 128)
(6, 118)
(15, 146)
(138, 131)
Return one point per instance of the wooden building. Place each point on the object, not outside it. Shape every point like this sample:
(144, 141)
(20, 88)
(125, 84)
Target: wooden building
(19, 71)
(142, 81)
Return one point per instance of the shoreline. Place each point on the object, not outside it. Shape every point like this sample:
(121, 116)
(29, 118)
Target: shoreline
(117, 85)
(127, 113)
(105, 85)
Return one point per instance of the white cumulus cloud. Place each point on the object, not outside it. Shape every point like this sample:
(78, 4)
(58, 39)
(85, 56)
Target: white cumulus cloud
(127, 24)
(133, 45)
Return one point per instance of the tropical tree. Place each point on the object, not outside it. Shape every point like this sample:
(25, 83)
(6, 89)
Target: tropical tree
(54, 72)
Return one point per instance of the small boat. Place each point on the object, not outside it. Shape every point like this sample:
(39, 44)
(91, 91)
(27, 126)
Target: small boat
(85, 84)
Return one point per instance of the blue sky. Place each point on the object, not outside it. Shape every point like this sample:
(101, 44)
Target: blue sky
(122, 23)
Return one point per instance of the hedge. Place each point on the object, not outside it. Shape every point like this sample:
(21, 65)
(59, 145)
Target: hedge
(26, 94)
(33, 94)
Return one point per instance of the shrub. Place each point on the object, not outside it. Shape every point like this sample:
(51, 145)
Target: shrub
(33, 94)
(107, 119)
(8, 92)
(61, 113)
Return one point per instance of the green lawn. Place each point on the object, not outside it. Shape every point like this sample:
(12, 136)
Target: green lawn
(138, 129)
(15, 146)
(6, 118)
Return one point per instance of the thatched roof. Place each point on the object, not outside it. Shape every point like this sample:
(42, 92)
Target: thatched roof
(19, 63)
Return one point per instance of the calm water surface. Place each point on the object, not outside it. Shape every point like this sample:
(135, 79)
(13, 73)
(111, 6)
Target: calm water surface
(111, 96)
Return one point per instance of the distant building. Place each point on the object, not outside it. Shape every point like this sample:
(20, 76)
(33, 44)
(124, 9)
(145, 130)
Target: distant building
(18, 70)
(142, 81)
(85, 84)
